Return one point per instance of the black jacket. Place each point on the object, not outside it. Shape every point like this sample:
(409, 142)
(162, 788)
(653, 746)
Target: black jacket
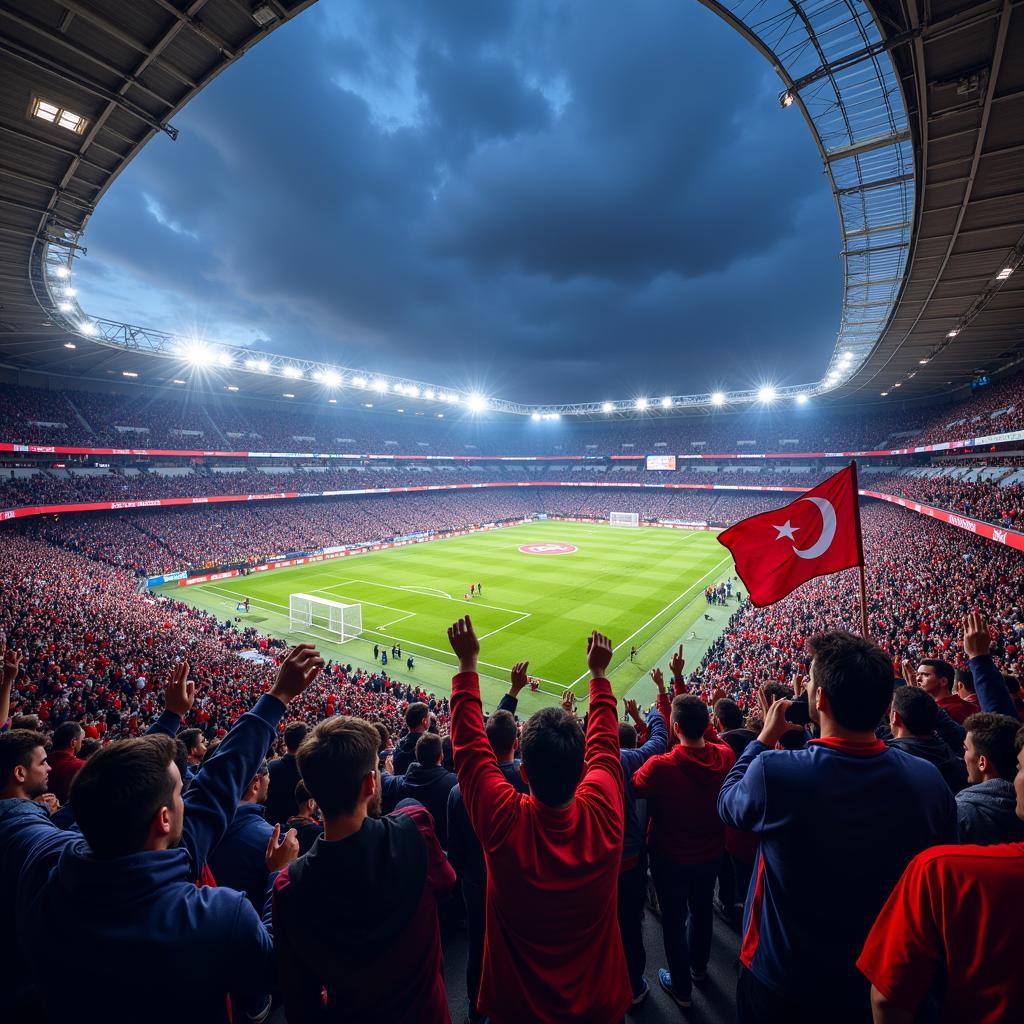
(429, 786)
(931, 748)
(405, 752)
(284, 776)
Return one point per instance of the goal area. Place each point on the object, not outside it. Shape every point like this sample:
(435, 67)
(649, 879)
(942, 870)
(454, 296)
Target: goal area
(624, 518)
(322, 618)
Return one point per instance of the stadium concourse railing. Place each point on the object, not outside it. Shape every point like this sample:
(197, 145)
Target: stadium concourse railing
(1007, 437)
(987, 531)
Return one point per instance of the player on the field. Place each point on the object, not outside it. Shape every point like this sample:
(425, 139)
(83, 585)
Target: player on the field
(472, 589)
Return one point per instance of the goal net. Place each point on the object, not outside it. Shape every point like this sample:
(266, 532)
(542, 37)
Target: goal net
(624, 518)
(319, 617)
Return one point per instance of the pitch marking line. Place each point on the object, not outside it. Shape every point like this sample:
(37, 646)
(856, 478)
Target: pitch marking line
(474, 602)
(676, 600)
(428, 592)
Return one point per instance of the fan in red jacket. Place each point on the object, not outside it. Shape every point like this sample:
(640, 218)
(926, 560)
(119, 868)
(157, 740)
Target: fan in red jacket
(553, 950)
(65, 763)
(688, 838)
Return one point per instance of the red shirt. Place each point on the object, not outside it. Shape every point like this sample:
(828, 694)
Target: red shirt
(955, 910)
(957, 708)
(681, 788)
(64, 766)
(553, 950)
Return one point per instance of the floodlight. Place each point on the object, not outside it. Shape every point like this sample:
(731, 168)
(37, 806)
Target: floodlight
(380, 386)
(641, 403)
(176, 381)
(884, 393)
(224, 358)
(1004, 273)
(232, 387)
(535, 416)
(128, 373)
(666, 403)
(331, 378)
(440, 415)
(287, 394)
(953, 333)
(359, 382)
(197, 354)
(62, 271)
(413, 391)
(922, 361)
(898, 384)
(477, 403)
(801, 399)
(260, 365)
(332, 401)
(786, 99)
(70, 292)
(766, 394)
(70, 344)
(718, 398)
(87, 327)
(428, 395)
(607, 407)
(292, 371)
(65, 307)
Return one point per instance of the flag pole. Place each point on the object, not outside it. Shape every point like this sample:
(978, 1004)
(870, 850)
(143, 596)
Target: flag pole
(860, 551)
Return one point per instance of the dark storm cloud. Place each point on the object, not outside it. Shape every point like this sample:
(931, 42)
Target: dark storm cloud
(552, 200)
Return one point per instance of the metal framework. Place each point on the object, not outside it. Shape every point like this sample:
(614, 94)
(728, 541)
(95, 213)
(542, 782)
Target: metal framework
(835, 66)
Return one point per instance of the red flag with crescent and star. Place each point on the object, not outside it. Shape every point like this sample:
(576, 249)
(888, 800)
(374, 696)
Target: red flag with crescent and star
(816, 535)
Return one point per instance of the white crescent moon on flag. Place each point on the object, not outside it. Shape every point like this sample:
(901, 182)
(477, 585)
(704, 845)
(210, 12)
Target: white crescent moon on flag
(828, 530)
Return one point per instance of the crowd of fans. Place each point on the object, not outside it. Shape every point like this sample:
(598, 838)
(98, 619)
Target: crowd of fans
(145, 419)
(1001, 504)
(872, 840)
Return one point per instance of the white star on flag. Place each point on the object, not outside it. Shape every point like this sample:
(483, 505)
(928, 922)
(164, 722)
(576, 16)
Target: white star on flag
(786, 530)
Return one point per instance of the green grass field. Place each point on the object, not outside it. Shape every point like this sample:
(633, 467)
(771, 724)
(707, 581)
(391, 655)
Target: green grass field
(642, 587)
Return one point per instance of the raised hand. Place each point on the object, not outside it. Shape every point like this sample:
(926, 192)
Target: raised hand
(569, 701)
(775, 723)
(719, 693)
(909, 675)
(632, 710)
(977, 635)
(677, 663)
(298, 670)
(519, 677)
(12, 662)
(464, 643)
(180, 694)
(764, 700)
(659, 679)
(599, 654)
(799, 684)
(280, 855)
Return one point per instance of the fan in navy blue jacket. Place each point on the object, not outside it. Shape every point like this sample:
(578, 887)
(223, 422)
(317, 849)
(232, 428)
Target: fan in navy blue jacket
(31, 839)
(838, 821)
(633, 871)
(156, 946)
(426, 781)
(464, 850)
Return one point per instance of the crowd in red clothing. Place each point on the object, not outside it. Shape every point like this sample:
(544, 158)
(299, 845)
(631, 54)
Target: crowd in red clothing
(988, 499)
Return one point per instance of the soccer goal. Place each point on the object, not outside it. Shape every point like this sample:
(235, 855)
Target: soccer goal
(624, 518)
(318, 616)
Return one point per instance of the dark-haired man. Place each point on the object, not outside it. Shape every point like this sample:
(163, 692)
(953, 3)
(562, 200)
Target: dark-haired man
(729, 724)
(938, 678)
(65, 763)
(417, 721)
(844, 816)
(987, 809)
(195, 749)
(687, 840)
(284, 775)
(426, 781)
(552, 950)
(356, 917)
(912, 720)
(464, 850)
(951, 930)
(130, 884)
(307, 824)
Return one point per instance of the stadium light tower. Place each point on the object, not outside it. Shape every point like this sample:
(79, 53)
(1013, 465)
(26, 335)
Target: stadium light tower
(766, 394)
(641, 403)
(718, 398)
(666, 403)
(197, 354)
(607, 407)
(477, 403)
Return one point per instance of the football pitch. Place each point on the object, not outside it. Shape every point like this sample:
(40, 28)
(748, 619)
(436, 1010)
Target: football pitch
(642, 587)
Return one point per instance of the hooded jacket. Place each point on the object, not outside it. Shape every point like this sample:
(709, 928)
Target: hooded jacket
(430, 786)
(405, 752)
(158, 946)
(237, 861)
(681, 788)
(358, 917)
(934, 750)
(987, 814)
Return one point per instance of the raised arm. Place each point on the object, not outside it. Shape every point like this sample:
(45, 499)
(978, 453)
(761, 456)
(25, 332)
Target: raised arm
(602, 747)
(11, 663)
(211, 800)
(489, 798)
(989, 684)
(179, 696)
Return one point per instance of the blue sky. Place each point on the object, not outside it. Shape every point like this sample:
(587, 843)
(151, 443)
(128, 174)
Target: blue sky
(541, 200)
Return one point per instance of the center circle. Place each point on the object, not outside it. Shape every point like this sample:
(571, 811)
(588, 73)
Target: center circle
(547, 549)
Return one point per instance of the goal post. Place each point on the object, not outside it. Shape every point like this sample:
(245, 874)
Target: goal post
(318, 616)
(624, 518)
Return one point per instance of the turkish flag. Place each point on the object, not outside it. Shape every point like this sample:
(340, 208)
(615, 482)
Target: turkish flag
(816, 535)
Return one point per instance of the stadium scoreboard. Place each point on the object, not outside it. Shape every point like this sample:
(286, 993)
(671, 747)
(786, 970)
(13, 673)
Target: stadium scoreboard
(662, 462)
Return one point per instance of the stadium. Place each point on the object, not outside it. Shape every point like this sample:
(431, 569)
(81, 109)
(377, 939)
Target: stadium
(386, 630)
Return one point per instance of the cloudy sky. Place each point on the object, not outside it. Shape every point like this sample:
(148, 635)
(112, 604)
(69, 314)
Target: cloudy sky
(542, 200)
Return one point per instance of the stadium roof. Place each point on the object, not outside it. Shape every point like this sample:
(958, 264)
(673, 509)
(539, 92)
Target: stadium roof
(918, 112)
